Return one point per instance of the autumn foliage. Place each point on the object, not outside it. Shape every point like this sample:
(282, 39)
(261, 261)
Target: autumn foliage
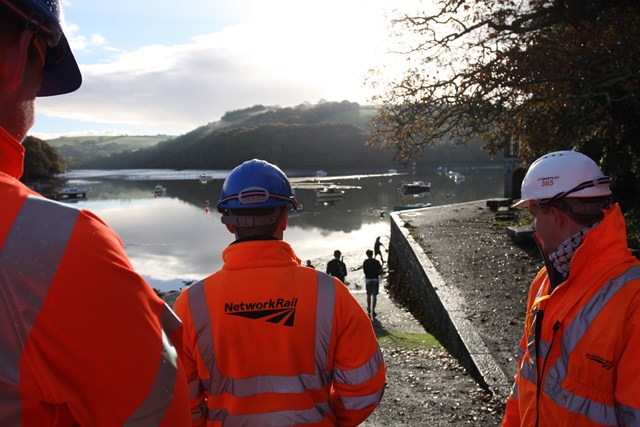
(539, 76)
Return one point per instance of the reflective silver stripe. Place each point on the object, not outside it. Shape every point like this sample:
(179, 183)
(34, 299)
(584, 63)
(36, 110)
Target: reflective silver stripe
(169, 320)
(271, 419)
(361, 374)
(528, 372)
(29, 259)
(202, 324)
(528, 368)
(152, 410)
(544, 347)
(325, 307)
(195, 388)
(198, 413)
(355, 403)
(629, 415)
(595, 411)
(514, 391)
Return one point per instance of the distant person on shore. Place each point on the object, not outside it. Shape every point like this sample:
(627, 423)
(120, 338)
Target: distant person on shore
(309, 264)
(267, 341)
(84, 339)
(376, 247)
(578, 356)
(337, 268)
(372, 271)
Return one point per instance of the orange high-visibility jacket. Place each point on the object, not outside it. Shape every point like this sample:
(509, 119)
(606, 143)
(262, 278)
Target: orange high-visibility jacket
(578, 358)
(268, 342)
(83, 338)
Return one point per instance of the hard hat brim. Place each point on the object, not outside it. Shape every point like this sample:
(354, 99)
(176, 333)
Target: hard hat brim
(61, 73)
(521, 204)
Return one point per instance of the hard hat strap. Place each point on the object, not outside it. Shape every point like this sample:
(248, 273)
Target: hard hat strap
(255, 195)
(249, 221)
(587, 184)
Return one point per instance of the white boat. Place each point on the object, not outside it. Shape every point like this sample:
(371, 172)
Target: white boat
(329, 193)
(458, 178)
(159, 191)
(415, 187)
(321, 173)
(72, 193)
(204, 178)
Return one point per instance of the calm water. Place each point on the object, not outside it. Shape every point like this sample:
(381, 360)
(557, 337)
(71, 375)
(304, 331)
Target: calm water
(175, 238)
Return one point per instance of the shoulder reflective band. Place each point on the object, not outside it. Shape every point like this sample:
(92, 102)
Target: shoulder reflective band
(29, 259)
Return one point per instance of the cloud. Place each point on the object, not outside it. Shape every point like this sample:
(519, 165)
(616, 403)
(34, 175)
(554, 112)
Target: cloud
(294, 54)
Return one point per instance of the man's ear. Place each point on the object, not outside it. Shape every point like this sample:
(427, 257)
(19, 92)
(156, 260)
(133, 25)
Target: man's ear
(230, 227)
(284, 219)
(14, 62)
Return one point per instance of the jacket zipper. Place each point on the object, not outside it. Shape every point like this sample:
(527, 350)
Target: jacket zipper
(556, 326)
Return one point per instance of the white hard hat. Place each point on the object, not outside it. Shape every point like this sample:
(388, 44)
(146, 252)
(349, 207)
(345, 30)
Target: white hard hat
(563, 174)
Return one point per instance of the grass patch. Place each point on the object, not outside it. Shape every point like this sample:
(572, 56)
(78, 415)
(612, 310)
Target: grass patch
(396, 339)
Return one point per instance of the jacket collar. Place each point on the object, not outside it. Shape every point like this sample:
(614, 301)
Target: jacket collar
(605, 243)
(11, 155)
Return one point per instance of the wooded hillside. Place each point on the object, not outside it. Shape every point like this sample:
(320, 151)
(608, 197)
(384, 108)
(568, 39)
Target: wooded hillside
(328, 134)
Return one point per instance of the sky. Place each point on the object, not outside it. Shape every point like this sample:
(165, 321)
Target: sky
(167, 67)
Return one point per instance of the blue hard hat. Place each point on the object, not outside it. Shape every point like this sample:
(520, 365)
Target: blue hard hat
(60, 73)
(256, 184)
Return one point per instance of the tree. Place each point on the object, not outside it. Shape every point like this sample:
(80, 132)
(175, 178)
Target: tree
(542, 75)
(41, 161)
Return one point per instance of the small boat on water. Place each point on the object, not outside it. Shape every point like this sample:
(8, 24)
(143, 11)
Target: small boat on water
(410, 206)
(329, 193)
(71, 194)
(458, 178)
(159, 191)
(204, 178)
(321, 173)
(415, 187)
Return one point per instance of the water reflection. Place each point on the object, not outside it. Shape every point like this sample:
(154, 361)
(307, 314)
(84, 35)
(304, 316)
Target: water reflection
(175, 238)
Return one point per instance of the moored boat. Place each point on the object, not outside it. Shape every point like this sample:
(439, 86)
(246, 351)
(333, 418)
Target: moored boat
(71, 194)
(329, 193)
(159, 191)
(410, 206)
(415, 187)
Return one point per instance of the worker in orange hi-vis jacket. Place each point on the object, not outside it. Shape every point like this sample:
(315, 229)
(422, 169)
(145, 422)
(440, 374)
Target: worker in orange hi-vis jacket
(268, 342)
(578, 356)
(84, 340)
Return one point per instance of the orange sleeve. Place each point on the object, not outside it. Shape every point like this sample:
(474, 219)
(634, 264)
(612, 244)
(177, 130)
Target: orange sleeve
(97, 346)
(190, 361)
(357, 354)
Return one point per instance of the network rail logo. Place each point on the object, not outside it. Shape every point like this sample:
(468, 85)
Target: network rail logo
(280, 310)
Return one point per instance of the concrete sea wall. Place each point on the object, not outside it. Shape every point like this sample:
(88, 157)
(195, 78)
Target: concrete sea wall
(415, 283)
